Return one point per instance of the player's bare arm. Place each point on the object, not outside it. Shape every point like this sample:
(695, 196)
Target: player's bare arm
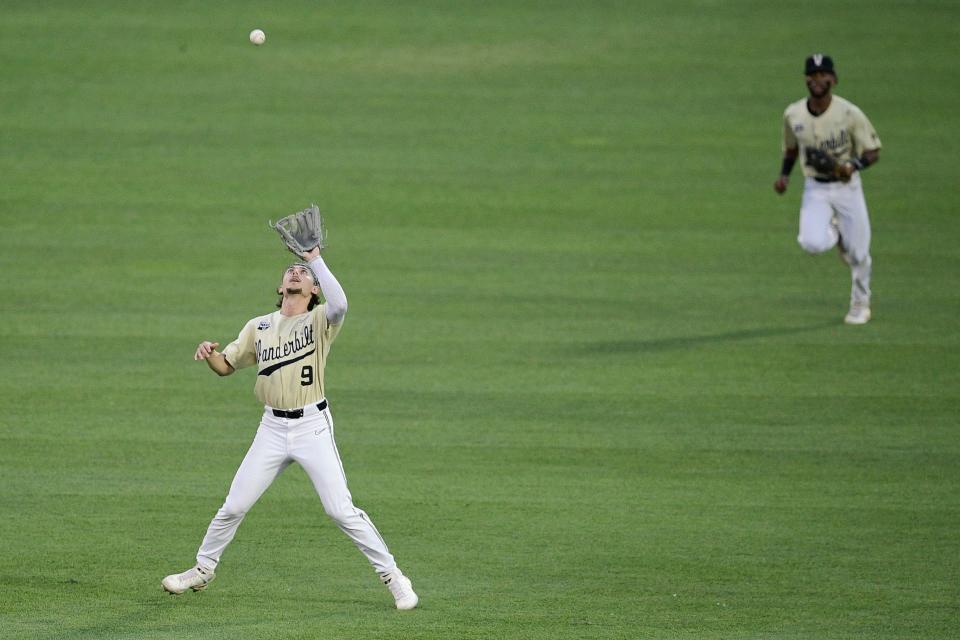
(789, 159)
(207, 350)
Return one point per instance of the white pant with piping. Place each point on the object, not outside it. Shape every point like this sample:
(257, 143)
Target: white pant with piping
(308, 441)
(821, 200)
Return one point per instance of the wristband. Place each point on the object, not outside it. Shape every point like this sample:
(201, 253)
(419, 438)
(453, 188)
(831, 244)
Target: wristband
(787, 166)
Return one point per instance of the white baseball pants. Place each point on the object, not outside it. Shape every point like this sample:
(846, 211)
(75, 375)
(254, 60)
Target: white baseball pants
(309, 442)
(821, 200)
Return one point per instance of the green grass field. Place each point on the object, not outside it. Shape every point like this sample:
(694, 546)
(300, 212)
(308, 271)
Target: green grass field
(589, 385)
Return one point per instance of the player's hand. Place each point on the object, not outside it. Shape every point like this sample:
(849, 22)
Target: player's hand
(845, 171)
(205, 349)
(781, 184)
(310, 255)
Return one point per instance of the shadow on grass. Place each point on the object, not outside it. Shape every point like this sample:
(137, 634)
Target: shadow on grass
(689, 342)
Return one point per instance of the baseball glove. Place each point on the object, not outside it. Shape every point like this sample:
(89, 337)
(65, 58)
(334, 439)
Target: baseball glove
(822, 162)
(302, 231)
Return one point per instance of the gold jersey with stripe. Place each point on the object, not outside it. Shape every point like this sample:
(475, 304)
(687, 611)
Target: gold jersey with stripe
(843, 131)
(290, 353)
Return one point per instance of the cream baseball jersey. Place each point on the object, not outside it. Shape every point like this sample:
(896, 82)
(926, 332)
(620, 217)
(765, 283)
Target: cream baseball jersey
(290, 353)
(842, 130)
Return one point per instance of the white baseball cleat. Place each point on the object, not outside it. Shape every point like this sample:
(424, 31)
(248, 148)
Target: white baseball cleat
(859, 314)
(402, 589)
(196, 578)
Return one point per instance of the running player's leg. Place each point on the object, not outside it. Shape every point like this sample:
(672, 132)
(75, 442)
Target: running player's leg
(816, 233)
(264, 461)
(314, 448)
(854, 222)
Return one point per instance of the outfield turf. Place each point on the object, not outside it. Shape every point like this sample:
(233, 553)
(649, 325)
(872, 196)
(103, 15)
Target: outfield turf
(589, 386)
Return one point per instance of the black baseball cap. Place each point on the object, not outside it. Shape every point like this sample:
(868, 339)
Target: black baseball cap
(819, 62)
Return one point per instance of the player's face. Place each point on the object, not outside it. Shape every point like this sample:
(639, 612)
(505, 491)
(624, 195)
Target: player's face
(820, 83)
(297, 279)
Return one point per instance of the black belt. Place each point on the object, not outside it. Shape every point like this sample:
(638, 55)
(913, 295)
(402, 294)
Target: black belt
(830, 179)
(297, 413)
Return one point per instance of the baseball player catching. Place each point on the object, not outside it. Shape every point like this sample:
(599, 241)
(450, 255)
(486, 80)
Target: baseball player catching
(837, 143)
(289, 348)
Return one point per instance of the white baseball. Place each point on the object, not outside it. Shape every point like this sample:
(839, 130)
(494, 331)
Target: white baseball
(258, 37)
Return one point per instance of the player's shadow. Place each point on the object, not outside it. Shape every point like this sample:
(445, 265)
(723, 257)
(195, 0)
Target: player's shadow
(690, 342)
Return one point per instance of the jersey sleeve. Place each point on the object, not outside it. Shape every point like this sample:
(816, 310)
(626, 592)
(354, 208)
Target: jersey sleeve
(242, 352)
(323, 327)
(789, 139)
(864, 136)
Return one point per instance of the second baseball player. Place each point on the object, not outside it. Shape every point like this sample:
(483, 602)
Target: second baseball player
(833, 211)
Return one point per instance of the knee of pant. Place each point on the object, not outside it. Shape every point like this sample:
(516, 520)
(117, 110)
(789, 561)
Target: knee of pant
(234, 509)
(859, 257)
(815, 245)
(341, 513)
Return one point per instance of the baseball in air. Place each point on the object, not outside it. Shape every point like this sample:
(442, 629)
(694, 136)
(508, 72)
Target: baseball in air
(258, 37)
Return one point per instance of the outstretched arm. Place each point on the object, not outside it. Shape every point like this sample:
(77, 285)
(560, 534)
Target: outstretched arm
(208, 351)
(332, 291)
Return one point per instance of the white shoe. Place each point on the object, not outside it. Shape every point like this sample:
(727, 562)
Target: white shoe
(402, 590)
(196, 578)
(859, 314)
